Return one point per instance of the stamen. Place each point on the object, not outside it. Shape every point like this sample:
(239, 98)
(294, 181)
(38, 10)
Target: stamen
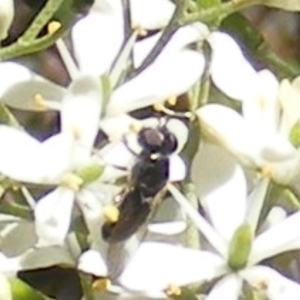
(53, 27)
(64, 52)
(111, 214)
(122, 60)
(172, 100)
(173, 291)
(72, 181)
(40, 102)
(267, 171)
(202, 225)
(139, 30)
(160, 107)
(135, 127)
(101, 284)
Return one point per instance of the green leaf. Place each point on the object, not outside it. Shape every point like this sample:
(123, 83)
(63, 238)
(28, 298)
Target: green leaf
(292, 5)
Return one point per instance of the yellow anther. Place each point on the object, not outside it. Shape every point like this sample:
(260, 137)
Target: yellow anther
(15, 187)
(101, 284)
(154, 156)
(172, 100)
(40, 102)
(260, 285)
(53, 27)
(72, 181)
(173, 291)
(111, 214)
(76, 132)
(139, 30)
(135, 127)
(267, 171)
(159, 107)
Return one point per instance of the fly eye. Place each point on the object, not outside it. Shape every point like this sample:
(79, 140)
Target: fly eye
(151, 139)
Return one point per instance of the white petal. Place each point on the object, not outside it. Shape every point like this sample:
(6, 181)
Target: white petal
(5, 289)
(116, 127)
(256, 201)
(262, 112)
(235, 136)
(46, 257)
(276, 215)
(9, 266)
(151, 14)
(173, 72)
(53, 216)
(26, 159)
(92, 262)
(116, 154)
(287, 171)
(230, 286)
(17, 237)
(20, 89)
(91, 204)
(6, 17)
(157, 265)
(267, 244)
(173, 75)
(230, 70)
(288, 98)
(95, 49)
(80, 114)
(221, 186)
(275, 285)
(177, 168)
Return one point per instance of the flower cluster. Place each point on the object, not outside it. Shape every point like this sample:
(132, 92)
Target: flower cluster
(182, 193)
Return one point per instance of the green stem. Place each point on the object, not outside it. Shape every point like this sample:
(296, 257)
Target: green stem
(217, 13)
(41, 20)
(22, 48)
(283, 67)
(86, 286)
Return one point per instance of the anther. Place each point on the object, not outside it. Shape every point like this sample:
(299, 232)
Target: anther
(172, 100)
(173, 291)
(111, 214)
(76, 132)
(135, 127)
(72, 181)
(101, 284)
(267, 171)
(40, 102)
(53, 27)
(261, 285)
(139, 30)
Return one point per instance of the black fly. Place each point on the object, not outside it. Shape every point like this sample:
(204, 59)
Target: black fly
(148, 177)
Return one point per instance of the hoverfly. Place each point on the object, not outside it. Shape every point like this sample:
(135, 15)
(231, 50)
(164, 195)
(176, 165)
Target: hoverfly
(147, 180)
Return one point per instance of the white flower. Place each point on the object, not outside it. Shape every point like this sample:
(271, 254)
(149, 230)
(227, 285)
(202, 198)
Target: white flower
(173, 71)
(156, 266)
(260, 137)
(6, 17)
(56, 160)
